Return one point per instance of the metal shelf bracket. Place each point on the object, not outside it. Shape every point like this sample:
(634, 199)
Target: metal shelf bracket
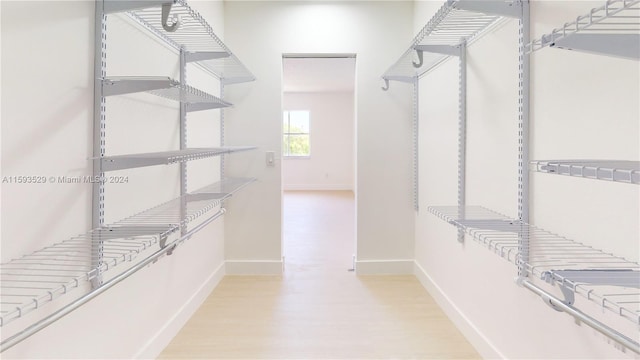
(569, 299)
(577, 314)
(404, 79)
(551, 301)
(626, 46)
(191, 56)
(237, 80)
(119, 87)
(116, 6)
(502, 8)
(204, 106)
(439, 49)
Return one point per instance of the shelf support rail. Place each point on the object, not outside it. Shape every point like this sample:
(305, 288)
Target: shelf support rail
(222, 131)
(42, 324)
(523, 135)
(462, 133)
(416, 144)
(99, 134)
(560, 305)
(183, 144)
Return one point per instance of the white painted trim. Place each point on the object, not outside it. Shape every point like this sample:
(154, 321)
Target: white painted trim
(165, 334)
(479, 341)
(316, 187)
(385, 267)
(253, 267)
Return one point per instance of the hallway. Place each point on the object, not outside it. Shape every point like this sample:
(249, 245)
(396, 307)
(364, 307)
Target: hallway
(317, 308)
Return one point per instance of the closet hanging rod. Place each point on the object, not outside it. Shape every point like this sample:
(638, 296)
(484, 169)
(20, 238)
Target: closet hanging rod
(40, 325)
(559, 305)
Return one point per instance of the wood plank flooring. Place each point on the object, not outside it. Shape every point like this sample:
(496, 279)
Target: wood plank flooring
(318, 309)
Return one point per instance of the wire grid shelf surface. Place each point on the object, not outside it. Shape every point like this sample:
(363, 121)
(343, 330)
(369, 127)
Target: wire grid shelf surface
(35, 279)
(194, 35)
(196, 204)
(611, 170)
(161, 86)
(610, 281)
(616, 18)
(44, 275)
(119, 162)
(450, 27)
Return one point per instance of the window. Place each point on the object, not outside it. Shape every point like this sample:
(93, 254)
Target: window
(296, 134)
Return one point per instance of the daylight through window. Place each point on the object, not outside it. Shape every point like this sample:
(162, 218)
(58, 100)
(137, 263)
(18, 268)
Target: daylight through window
(296, 133)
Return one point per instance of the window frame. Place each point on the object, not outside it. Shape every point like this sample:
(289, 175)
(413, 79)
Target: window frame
(289, 134)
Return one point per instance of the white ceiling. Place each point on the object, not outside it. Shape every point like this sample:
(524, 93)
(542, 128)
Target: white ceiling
(319, 74)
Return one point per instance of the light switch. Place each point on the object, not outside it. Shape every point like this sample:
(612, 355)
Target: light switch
(271, 158)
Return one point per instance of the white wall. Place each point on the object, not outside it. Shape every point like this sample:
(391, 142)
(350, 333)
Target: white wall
(47, 118)
(583, 106)
(331, 165)
(376, 31)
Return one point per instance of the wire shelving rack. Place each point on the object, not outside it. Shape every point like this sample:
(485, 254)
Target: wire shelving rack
(115, 251)
(609, 281)
(455, 25)
(455, 22)
(164, 87)
(192, 34)
(33, 280)
(129, 161)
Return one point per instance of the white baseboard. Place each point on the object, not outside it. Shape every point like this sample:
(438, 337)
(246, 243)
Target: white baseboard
(481, 343)
(316, 187)
(253, 267)
(163, 337)
(385, 267)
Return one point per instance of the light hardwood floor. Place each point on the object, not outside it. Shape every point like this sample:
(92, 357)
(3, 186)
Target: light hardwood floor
(317, 309)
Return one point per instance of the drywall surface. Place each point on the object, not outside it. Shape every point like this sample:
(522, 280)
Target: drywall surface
(331, 165)
(583, 106)
(47, 119)
(377, 32)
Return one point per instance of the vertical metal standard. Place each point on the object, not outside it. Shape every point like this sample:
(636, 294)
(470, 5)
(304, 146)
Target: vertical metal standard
(99, 116)
(462, 134)
(416, 142)
(523, 135)
(222, 130)
(183, 145)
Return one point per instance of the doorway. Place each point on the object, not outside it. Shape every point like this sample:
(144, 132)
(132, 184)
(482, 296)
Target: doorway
(319, 161)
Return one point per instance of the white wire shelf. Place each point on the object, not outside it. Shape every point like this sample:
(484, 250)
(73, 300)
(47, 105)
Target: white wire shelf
(610, 170)
(165, 87)
(29, 282)
(129, 161)
(610, 281)
(457, 21)
(44, 275)
(612, 29)
(192, 33)
(195, 204)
